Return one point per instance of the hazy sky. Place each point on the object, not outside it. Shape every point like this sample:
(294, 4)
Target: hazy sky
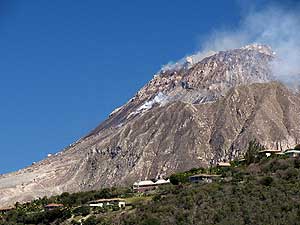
(66, 64)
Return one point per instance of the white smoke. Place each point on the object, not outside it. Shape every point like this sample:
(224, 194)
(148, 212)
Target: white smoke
(275, 26)
(160, 99)
(188, 60)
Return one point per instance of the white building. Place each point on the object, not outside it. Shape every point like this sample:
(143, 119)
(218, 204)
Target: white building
(292, 153)
(147, 185)
(106, 202)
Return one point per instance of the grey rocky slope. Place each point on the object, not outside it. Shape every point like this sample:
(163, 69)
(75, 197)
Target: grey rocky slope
(189, 116)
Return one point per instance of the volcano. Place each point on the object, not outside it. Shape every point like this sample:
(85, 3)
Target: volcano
(195, 113)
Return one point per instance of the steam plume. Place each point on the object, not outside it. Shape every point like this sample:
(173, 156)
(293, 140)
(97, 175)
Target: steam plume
(275, 26)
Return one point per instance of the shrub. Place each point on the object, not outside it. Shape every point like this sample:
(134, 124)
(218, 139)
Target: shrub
(288, 174)
(82, 210)
(92, 220)
(104, 193)
(274, 165)
(150, 221)
(178, 178)
(156, 197)
(115, 207)
(266, 181)
(297, 163)
(183, 177)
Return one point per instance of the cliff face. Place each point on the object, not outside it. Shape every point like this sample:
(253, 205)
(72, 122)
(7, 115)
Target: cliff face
(189, 116)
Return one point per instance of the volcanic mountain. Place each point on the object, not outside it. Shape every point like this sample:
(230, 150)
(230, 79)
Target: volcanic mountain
(194, 113)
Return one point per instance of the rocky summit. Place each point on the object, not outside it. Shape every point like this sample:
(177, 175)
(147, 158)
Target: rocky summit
(195, 113)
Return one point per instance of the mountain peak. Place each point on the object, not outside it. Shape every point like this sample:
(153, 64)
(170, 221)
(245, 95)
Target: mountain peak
(190, 60)
(204, 77)
(264, 49)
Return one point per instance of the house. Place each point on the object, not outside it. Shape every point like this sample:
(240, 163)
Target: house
(145, 185)
(269, 152)
(224, 164)
(106, 202)
(292, 153)
(148, 185)
(203, 178)
(52, 206)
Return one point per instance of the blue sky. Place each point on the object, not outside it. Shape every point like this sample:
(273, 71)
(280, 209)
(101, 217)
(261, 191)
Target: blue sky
(65, 64)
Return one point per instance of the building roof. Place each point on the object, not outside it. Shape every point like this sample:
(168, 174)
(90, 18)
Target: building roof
(54, 205)
(151, 183)
(206, 175)
(270, 151)
(292, 151)
(144, 183)
(224, 164)
(162, 181)
(108, 200)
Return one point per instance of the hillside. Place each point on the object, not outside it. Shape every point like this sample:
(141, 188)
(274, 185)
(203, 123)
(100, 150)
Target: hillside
(263, 192)
(194, 114)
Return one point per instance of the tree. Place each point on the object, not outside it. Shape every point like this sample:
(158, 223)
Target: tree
(179, 178)
(82, 210)
(267, 181)
(17, 205)
(251, 154)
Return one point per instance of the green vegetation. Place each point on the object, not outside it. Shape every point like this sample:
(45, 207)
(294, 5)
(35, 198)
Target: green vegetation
(251, 155)
(74, 207)
(266, 192)
(183, 177)
(257, 191)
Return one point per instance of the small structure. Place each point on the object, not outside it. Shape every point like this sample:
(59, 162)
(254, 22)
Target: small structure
(224, 164)
(203, 178)
(52, 206)
(292, 153)
(269, 152)
(147, 185)
(106, 202)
